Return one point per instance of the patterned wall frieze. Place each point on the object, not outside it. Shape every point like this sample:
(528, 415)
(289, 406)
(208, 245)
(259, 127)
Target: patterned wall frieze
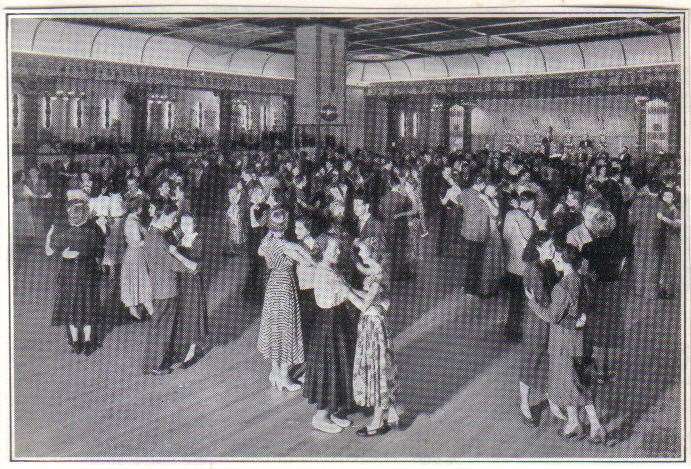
(35, 66)
(656, 80)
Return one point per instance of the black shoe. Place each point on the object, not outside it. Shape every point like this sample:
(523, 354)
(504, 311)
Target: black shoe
(364, 431)
(513, 336)
(529, 422)
(89, 348)
(76, 347)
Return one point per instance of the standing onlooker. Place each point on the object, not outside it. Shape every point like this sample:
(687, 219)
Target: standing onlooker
(80, 248)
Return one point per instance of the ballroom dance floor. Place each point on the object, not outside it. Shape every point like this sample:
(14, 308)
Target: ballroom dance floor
(458, 382)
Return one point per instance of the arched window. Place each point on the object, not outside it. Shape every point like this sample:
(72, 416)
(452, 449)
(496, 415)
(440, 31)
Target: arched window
(106, 113)
(416, 124)
(401, 124)
(46, 112)
(79, 113)
(170, 112)
(244, 115)
(15, 110)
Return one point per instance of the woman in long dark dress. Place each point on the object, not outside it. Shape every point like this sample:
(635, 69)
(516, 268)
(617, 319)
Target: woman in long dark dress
(670, 216)
(605, 328)
(493, 264)
(305, 277)
(258, 215)
(329, 362)
(646, 227)
(80, 247)
(190, 337)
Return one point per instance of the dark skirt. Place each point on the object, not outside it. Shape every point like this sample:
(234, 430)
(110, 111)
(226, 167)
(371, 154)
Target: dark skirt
(77, 299)
(534, 352)
(308, 309)
(329, 363)
(158, 349)
(258, 273)
(605, 326)
(191, 322)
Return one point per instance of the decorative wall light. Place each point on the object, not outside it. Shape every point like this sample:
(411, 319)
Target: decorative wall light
(641, 100)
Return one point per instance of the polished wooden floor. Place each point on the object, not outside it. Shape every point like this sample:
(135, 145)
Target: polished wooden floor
(458, 383)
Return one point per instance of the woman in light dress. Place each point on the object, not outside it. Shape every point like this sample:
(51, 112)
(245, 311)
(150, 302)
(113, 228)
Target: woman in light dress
(280, 333)
(135, 283)
(374, 371)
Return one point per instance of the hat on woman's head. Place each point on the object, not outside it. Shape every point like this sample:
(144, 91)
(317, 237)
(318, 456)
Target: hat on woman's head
(278, 220)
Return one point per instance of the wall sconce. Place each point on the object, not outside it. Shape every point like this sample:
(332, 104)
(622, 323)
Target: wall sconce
(641, 100)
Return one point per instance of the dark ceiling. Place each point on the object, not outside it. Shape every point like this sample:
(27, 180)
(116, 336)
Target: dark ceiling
(381, 39)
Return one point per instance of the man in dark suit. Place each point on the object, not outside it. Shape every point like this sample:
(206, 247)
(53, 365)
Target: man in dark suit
(367, 225)
(393, 206)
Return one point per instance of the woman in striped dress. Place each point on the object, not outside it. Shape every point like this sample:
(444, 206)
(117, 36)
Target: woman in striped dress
(280, 333)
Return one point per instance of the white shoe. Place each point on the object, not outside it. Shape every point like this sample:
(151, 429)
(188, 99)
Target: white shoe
(325, 426)
(343, 423)
(283, 383)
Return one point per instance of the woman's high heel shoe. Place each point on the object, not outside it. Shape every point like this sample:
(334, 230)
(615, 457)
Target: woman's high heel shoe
(599, 437)
(576, 433)
(382, 430)
(282, 384)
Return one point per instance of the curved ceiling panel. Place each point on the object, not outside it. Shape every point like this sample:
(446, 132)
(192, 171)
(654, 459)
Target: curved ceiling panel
(494, 64)
(354, 72)
(675, 39)
(121, 46)
(247, 61)
(166, 51)
(647, 50)
(280, 65)
(526, 61)
(201, 61)
(22, 32)
(51, 38)
(462, 65)
(400, 70)
(376, 72)
(603, 54)
(563, 57)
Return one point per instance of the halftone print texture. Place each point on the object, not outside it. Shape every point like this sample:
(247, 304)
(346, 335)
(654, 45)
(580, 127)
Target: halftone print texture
(463, 137)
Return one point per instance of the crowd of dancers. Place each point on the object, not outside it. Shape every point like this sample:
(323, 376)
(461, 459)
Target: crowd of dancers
(325, 236)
